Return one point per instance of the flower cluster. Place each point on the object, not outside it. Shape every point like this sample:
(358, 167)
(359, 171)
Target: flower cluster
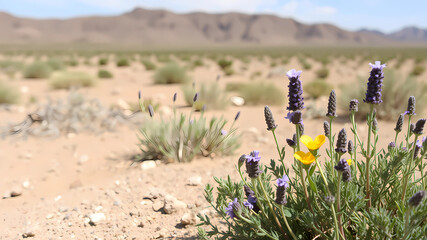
(373, 92)
(252, 164)
(344, 167)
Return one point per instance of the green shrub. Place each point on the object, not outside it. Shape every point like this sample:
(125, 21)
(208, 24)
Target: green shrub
(418, 70)
(123, 62)
(55, 64)
(171, 73)
(72, 62)
(65, 80)
(211, 95)
(317, 88)
(8, 94)
(228, 71)
(37, 70)
(198, 63)
(179, 140)
(148, 65)
(103, 61)
(395, 94)
(163, 58)
(10, 67)
(224, 63)
(258, 93)
(322, 73)
(104, 74)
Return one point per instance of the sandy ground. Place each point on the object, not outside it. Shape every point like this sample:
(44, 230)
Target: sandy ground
(66, 183)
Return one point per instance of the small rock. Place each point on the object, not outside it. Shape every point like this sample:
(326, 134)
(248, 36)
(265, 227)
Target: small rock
(57, 198)
(26, 184)
(141, 225)
(162, 233)
(63, 209)
(28, 235)
(76, 184)
(83, 159)
(117, 203)
(96, 218)
(194, 181)
(24, 89)
(172, 205)
(148, 164)
(237, 101)
(188, 219)
(16, 192)
(155, 193)
(49, 216)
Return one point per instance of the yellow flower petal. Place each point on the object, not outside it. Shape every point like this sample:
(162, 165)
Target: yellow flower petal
(306, 140)
(320, 140)
(349, 162)
(313, 145)
(305, 158)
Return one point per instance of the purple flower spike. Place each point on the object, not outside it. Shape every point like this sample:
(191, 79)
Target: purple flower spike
(232, 208)
(373, 92)
(295, 91)
(253, 157)
(295, 117)
(283, 182)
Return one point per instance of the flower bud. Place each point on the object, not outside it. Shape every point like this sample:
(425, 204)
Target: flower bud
(269, 120)
(412, 127)
(354, 105)
(326, 128)
(399, 123)
(350, 147)
(150, 110)
(411, 106)
(391, 146)
(417, 198)
(292, 142)
(196, 97)
(332, 105)
(419, 126)
(344, 168)
(174, 97)
(237, 116)
(341, 142)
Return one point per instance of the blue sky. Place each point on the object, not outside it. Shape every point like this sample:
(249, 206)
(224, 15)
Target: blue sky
(384, 15)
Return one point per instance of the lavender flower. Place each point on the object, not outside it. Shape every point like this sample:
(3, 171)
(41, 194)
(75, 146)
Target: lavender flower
(294, 117)
(391, 146)
(295, 91)
(344, 168)
(373, 92)
(174, 97)
(332, 105)
(354, 105)
(251, 202)
(326, 128)
(242, 160)
(399, 123)
(292, 142)
(248, 191)
(234, 209)
(237, 116)
(341, 142)
(196, 97)
(417, 149)
(419, 127)
(417, 198)
(223, 132)
(139, 94)
(350, 147)
(150, 110)
(252, 164)
(411, 106)
(269, 120)
(282, 184)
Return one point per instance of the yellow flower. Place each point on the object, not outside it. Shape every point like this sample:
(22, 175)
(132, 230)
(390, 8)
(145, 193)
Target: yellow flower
(313, 145)
(349, 162)
(305, 158)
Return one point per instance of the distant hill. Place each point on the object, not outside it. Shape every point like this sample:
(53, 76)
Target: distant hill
(164, 28)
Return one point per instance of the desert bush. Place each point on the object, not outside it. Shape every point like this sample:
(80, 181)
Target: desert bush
(72, 62)
(358, 191)
(224, 63)
(182, 137)
(171, 73)
(65, 80)
(102, 61)
(102, 73)
(198, 63)
(148, 65)
(418, 70)
(8, 94)
(317, 88)
(123, 62)
(10, 67)
(163, 58)
(37, 70)
(258, 93)
(211, 95)
(396, 91)
(55, 64)
(322, 73)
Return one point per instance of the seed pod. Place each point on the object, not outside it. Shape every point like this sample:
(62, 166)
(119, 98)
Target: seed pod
(417, 198)
(411, 106)
(341, 142)
(419, 126)
(326, 128)
(354, 105)
(269, 120)
(332, 105)
(399, 123)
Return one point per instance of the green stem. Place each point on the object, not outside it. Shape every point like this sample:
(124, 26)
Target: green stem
(369, 155)
(331, 143)
(277, 146)
(339, 204)
(411, 159)
(355, 136)
(409, 131)
(287, 224)
(257, 196)
(302, 173)
(256, 226)
(271, 207)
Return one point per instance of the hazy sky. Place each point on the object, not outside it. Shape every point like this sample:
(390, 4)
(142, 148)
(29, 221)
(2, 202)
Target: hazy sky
(384, 15)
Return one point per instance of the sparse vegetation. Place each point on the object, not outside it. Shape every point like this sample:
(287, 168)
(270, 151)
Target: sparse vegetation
(258, 93)
(211, 95)
(37, 70)
(123, 62)
(148, 65)
(55, 64)
(317, 88)
(171, 73)
(66, 80)
(8, 94)
(418, 70)
(322, 73)
(102, 73)
(103, 61)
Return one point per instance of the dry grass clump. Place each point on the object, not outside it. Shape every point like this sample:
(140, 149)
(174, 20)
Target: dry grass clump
(258, 93)
(418, 70)
(8, 94)
(395, 94)
(148, 65)
(66, 80)
(102, 73)
(317, 88)
(170, 74)
(103, 61)
(123, 62)
(322, 73)
(212, 96)
(37, 70)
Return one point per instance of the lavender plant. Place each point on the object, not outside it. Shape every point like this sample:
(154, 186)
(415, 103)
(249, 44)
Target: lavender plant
(378, 196)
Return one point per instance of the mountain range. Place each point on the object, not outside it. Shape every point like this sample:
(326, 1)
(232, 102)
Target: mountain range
(164, 28)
